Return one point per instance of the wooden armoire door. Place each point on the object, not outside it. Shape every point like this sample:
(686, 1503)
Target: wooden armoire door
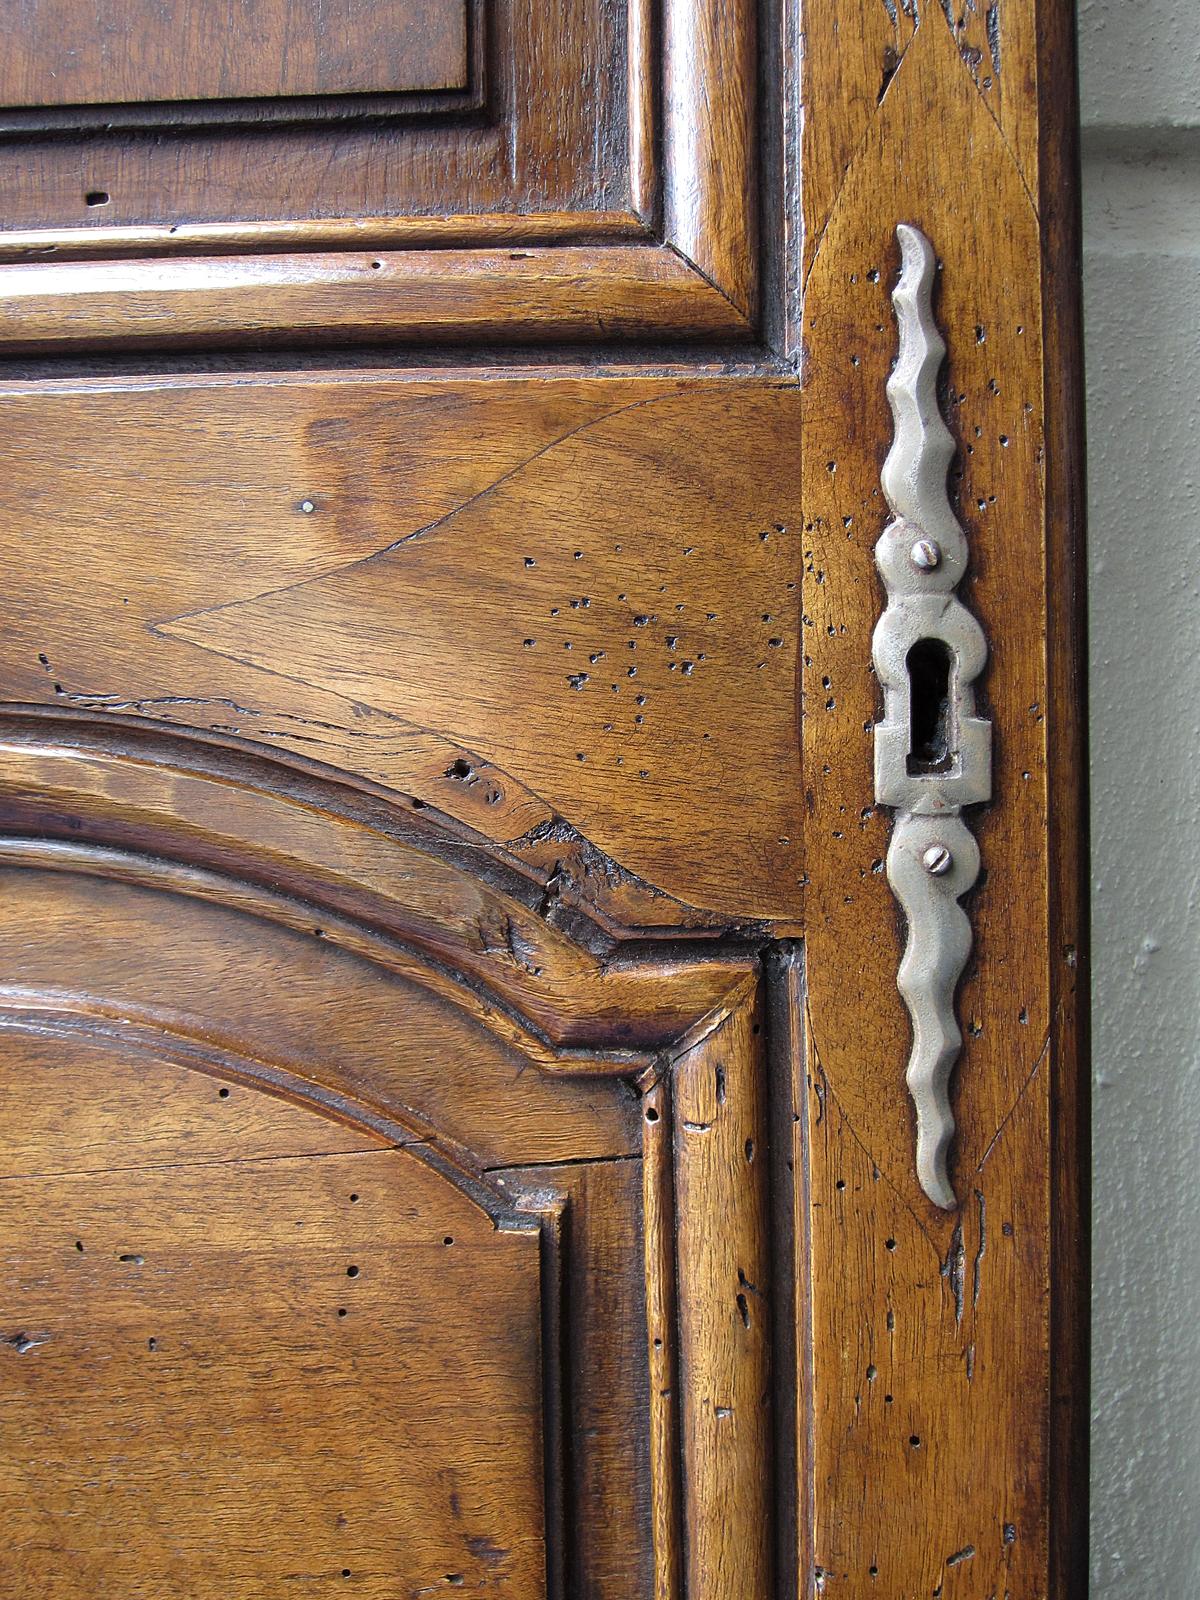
(539, 800)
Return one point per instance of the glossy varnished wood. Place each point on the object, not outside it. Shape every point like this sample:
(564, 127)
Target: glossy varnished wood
(555, 138)
(933, 1376)
(456, 766)
(551, 540)
(205, 1292)
(60, 54)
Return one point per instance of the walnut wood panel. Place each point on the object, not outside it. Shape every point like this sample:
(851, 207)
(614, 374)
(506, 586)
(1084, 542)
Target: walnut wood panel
(548, 133)
(559, 147)
(931, 1453)
(60, 54)
(326, 1367)
(417, 753)
(327, 569)
(222, 982)
(172, 1039)
(202, 1005)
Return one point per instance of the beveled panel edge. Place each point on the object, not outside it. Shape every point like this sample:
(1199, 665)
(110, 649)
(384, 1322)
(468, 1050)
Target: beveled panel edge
(560, 293)
(552, 867)
(474, 935)
(40, 246)
(44, 1015)
(693, 183)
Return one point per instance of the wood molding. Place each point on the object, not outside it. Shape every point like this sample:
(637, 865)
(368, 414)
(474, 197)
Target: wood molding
(471, 928)
(158, 986)
(679, 263)
(433, 58)
(709, 141)
(564, 292)
(719, 1116)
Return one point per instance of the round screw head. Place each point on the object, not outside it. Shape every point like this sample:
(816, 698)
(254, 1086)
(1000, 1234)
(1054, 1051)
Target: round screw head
(925, 555)
(936, 859)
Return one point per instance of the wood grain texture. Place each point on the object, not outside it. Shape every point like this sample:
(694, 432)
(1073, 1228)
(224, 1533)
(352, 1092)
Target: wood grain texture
(611, 1483)
(323, 1368)
(658, 1211)
(119, 50)
(721, 1158)
(471, 545)
(710, 143)
(851, 55)
(932, 1379)
(488, 948)
(565, 150)
(449, 297)
(552, 135)
(138, 961)
(415, 755)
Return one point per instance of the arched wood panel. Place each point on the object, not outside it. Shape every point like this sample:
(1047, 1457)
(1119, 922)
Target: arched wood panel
(247, 1346)
(216, 987)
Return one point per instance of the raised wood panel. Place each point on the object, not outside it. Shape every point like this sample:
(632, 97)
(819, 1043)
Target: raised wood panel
(543, 126)
(324, 1369)
(575, 128)
(279, 1156)
(326, 569)
(59, 53)
(226, 985)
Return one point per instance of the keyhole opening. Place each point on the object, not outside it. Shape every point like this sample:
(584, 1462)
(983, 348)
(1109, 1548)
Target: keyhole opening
(931, 731)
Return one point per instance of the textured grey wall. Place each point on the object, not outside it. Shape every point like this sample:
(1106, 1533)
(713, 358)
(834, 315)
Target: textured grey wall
(1140, 80)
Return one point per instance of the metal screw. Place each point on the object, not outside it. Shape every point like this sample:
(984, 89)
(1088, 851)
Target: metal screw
(937, 860)
(925, 555)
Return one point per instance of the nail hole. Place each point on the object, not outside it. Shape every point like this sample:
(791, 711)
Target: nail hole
(352, 1272)
(96, 197)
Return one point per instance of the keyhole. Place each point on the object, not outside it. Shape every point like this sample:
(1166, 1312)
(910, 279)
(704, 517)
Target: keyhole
(931, 732)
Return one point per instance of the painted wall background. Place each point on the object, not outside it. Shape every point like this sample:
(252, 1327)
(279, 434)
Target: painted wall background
(1140, 84)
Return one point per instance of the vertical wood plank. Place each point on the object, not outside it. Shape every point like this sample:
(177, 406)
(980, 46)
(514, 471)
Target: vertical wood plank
(931, 1334)
(658, 1201)
(721, 1163)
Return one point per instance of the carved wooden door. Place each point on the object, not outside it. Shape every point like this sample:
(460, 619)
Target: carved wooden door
(457, 845)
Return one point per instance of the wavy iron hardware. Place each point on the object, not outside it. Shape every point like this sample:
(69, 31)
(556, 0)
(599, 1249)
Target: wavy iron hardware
(933, 755)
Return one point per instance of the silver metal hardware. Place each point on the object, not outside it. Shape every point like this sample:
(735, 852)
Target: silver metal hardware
(937, 859)
(925, 555)
(933, 754)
